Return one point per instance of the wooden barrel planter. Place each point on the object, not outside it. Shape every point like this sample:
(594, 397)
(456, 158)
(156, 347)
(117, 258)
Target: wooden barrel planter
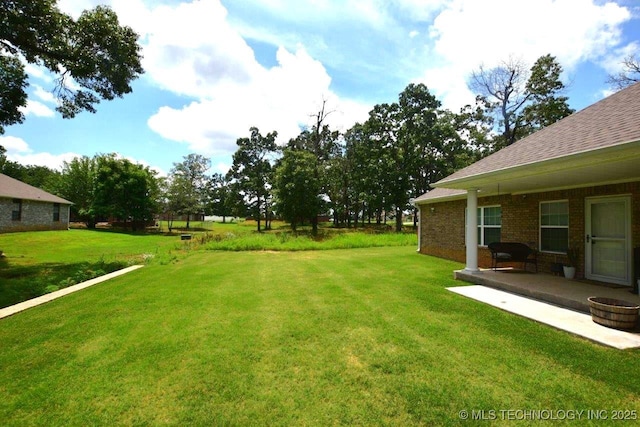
(614, 313)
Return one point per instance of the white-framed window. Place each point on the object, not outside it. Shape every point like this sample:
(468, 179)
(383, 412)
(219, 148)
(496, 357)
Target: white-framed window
(554, 226)
(56, 212)
(16, 210)
(489, 224)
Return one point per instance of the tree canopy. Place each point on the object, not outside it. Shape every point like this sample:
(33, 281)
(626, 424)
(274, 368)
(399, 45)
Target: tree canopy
(251, 174)
(95, 52)
(297, 187)
(187, 185)
(125, 191)
(523, 100)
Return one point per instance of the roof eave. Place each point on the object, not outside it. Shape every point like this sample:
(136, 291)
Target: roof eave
(581, 158)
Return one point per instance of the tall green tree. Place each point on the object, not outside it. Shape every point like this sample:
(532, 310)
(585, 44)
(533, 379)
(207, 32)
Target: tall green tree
(219, 200)
(403, 136)
(252, 172)
(383, 153)
(547, 105)
(360, 177)
(523, 100)
(188, 184)
(425, 140)
(339, 186)
(125, 191)
(42, 177)
(297, 188)
(502, 91)
(78, 186)
(322, 143)
(98, 54)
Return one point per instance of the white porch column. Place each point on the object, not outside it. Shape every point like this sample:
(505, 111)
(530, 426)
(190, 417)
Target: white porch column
(419, 227)
(472, 231)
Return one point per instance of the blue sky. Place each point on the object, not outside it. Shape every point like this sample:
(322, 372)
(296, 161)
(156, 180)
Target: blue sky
(214, 68)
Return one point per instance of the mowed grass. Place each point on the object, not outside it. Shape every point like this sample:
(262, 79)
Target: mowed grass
(337, 337)
(39, 262)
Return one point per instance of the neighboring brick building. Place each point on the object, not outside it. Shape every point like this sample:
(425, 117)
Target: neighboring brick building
(574, 184)
(25, 208)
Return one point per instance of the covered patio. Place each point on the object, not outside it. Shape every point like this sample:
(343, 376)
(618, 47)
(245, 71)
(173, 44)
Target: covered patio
(556, 290)
(551, 300)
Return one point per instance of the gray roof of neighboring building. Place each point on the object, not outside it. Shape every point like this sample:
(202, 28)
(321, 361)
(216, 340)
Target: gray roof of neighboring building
(13, 189)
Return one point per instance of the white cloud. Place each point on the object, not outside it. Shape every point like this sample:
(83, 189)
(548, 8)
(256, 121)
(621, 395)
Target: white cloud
(202, 56)
(280, 98)
(37, 71)
(53, 161)
(191, 49)
(612, 62)
(19, 151)
(14, 145)
(469, 33)
(196, 50)
(75, 7)
(37, 109)
(161, 172)
(44, 95)
(222, 167)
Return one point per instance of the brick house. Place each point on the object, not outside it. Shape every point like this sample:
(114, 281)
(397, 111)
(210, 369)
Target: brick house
(25, 208)
(574, 184)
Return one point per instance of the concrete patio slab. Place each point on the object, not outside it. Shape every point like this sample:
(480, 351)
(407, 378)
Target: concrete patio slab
(561, 318)
(13, 309)
(545, 287)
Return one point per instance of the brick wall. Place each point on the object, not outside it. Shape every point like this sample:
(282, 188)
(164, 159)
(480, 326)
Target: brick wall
(442, 224)
(35, 216)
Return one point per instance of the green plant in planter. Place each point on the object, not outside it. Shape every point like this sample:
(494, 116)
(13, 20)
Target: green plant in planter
(573, 255)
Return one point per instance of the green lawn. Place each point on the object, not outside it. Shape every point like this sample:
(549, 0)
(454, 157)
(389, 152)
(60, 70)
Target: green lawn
(40, 262)
(355, 337)
(43, 262)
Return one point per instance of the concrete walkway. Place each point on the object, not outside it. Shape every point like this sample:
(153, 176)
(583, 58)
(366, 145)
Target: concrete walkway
(8, 311)
(567, 320)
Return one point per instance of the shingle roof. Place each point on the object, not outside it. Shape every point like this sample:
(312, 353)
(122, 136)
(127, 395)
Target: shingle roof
(14, 189)
(612, 121)
(441, 194)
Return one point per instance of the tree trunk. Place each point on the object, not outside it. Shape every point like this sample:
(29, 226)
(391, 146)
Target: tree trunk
(259, 214)
(188, 220)
(398, 220)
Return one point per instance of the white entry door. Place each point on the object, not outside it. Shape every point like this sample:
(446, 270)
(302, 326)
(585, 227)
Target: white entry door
(608, 242)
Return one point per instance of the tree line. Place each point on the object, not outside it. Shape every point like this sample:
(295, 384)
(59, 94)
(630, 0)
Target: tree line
(367, 174)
